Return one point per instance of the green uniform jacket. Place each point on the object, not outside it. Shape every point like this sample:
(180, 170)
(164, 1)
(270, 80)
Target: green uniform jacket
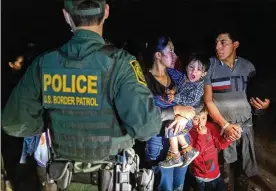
(23, 114)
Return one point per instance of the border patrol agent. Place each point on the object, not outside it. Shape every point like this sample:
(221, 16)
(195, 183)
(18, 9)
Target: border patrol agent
(93, 98)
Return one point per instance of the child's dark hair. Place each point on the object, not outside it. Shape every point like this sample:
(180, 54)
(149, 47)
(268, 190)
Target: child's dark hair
(204, 110)
(202, 58)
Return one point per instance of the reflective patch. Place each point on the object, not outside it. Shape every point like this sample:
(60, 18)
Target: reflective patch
(179, 188)
(71, 88)
(138, 71)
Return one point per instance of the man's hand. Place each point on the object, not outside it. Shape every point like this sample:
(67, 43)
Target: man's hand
(185, 111)
(233, 131)
(259, 104)
(179, 124)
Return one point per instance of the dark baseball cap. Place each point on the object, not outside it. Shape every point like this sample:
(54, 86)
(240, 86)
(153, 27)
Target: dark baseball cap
(70, 7)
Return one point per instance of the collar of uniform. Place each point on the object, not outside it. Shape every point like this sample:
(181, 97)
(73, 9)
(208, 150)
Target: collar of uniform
(87, 34)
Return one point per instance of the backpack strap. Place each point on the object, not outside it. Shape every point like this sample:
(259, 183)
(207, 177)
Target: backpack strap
(108, 50)
(118, 144)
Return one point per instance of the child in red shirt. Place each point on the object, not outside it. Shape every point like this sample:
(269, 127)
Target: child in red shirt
(206, 138)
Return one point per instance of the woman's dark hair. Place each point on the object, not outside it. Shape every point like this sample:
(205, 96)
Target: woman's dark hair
(154, 45)
(202, 58)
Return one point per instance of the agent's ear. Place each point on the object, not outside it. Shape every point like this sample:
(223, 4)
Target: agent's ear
(66, 16)
(69, 20)
(11, 64)
(106, 12)
(236, 44)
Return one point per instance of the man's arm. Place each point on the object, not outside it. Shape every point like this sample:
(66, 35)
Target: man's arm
(134, 102)
(258, 105)
(208, 97)
(22, 115)
(231, 130)
(219, 141)
(212, 108)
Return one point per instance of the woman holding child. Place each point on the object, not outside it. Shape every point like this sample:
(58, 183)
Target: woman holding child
(162, 153)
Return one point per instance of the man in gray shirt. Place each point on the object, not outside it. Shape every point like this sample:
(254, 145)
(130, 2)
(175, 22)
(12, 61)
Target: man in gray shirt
(226, 100)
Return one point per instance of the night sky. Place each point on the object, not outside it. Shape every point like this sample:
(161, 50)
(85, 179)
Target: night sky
(191, 24)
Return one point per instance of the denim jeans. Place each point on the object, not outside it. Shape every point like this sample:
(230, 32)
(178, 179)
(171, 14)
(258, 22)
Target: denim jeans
(214, 185)
(166, 179)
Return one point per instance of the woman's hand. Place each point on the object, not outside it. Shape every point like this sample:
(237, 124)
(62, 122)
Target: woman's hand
(178, 124)
(184, 111)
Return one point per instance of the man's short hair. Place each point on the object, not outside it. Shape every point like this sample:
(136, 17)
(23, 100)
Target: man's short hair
(231, 31)
(86, 12)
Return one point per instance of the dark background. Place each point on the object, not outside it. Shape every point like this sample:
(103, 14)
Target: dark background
(191, 25)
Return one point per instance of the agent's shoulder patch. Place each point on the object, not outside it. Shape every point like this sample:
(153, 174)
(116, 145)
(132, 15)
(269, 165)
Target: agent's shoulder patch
(138, 72)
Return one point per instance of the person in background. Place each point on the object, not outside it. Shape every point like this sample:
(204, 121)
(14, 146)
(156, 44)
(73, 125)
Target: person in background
(11, 146)
(15, 67)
